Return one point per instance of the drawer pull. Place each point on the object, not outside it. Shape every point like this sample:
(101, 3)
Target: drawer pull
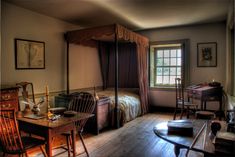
(6, 97)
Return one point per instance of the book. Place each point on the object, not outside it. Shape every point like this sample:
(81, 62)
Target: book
(228, 136)
(180, 127)
(225, 142)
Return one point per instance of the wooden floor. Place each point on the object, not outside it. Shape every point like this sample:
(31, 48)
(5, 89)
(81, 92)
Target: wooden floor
(134, 139)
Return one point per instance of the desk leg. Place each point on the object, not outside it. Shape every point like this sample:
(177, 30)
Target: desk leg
(177, 150)
(205, 105)
(49, 143)
(220, 110)
(73, 133)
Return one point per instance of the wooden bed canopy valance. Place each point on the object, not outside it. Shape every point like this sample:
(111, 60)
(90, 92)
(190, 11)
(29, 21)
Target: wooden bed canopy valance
(115, 34)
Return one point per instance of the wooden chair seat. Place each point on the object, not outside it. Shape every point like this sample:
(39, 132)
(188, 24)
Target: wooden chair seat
(205, 115)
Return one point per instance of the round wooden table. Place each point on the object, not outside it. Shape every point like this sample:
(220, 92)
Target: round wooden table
(203, 143)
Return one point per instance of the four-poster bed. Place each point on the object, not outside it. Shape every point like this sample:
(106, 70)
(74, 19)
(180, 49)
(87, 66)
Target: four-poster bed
(109, 40)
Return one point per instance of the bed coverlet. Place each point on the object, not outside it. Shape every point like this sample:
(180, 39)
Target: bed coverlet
(129, 104)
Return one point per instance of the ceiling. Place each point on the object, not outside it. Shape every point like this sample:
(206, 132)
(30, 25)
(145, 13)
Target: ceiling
(134, 14)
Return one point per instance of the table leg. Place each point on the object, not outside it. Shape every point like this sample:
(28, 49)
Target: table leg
(73, 133)
(49, 144)
(177, 150)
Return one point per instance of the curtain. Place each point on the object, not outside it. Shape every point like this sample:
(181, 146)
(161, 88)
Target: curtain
(128, 75)
(142, 58)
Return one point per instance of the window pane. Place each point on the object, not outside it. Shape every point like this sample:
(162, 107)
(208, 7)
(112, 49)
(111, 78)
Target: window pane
(165, 79)
(172, 71)
(178, 61)
(173, 53)
(166, 53)
(178, 52)
(166, 71)
(160, 61)
(166, 66)
(159, 71)
(166, 62)
(159, 80)
(178, 76)
(172, 80)
(159, 53)
(179, 71)
(173, 61)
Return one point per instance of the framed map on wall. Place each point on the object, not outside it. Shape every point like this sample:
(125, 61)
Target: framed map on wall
(29, 54)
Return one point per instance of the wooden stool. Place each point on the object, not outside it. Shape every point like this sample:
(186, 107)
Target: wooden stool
(205, 115)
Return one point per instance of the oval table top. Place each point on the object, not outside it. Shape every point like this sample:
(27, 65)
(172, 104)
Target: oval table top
(203, 144)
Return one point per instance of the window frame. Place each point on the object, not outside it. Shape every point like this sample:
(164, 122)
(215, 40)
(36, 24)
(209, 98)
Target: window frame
(169, 66)
(185, 44)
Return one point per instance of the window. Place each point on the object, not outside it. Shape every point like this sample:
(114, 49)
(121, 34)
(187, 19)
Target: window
(167, 62)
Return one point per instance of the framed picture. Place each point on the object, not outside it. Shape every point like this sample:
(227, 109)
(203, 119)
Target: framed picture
(207, 54)
(29, 54)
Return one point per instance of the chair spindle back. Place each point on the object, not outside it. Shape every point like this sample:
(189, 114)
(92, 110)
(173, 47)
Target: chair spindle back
(179, 90)
(9, 133)
(83, 102)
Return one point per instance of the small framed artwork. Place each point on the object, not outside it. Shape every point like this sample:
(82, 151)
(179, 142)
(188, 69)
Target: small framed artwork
(29, 54)
(207, 54)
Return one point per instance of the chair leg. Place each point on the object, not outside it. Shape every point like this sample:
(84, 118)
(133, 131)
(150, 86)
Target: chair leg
(176, 108)
(68, 145)
(43, 151)
(182, 112)
(80, 135)
(26, 154)
(187, 112)
(70, 140)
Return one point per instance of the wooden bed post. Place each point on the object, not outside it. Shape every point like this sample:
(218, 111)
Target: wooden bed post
(116, 115)
(67, 64)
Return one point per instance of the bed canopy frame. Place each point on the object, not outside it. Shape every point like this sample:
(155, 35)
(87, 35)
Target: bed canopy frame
(115, 34)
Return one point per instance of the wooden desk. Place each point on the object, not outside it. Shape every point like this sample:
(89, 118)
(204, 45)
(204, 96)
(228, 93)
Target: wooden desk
(207, 93)
(204, 143)
(49, 129)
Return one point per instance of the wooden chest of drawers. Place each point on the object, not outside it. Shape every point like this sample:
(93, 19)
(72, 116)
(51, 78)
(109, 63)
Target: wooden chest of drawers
(9, 98)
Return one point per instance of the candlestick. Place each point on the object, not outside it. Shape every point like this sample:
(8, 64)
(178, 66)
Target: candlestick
(47, 90)
(49, 114)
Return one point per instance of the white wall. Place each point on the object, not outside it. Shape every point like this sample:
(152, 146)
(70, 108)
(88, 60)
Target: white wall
(196, 34)
(84, 67)
(22, 23)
